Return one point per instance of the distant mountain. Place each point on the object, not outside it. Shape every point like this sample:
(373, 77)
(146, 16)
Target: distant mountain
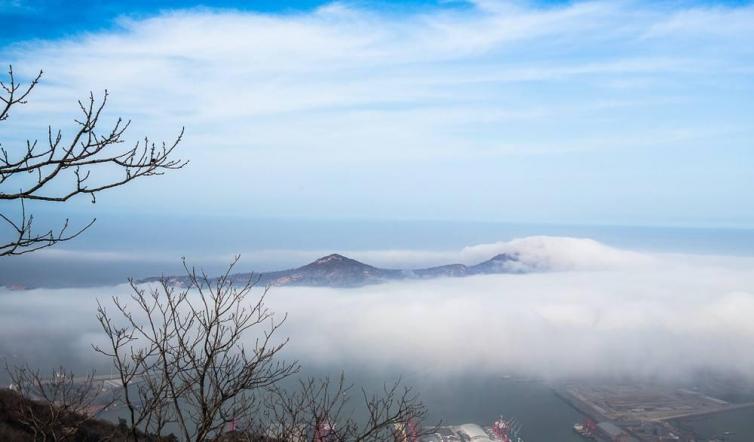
(502, 263)
(339, 271)
(329, 271)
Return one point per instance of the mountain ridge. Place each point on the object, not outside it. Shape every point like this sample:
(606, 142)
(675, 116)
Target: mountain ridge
(339, 271)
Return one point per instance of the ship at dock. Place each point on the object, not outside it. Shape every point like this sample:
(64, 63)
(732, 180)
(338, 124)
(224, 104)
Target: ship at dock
(505, 430)
(586, 429)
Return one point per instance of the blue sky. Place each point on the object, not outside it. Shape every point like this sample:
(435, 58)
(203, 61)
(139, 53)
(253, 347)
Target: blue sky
(59, 18)
(628, 112)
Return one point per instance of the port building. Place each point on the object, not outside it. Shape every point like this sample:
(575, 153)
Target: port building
(614, 432)
(472, 433)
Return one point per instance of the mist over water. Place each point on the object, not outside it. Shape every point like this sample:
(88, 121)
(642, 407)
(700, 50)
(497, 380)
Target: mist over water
(479, 346)
(581, 309)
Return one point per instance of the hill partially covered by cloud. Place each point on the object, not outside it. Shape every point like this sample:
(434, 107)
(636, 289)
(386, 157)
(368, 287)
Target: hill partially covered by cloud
(604, 312)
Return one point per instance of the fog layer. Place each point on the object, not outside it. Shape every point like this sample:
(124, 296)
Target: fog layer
(588, 310)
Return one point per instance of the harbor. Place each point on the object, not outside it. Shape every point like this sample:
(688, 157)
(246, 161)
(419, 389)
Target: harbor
(643, 413)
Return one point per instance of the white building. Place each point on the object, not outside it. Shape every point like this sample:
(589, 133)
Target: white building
(473, 433)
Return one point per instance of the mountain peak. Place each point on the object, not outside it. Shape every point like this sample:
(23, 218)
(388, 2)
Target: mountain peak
(335, 257)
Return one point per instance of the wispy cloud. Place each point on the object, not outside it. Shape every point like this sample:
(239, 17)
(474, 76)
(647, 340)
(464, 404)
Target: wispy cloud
(397, 103)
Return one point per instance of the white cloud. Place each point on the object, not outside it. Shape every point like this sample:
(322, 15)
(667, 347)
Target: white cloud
(609, 312)
(547, 253)
(536, 253)
(705, 22)
(396, 104)
(665, 322)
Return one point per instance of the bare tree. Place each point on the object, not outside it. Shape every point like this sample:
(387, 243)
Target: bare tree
(180, 355)
(56, 406)
(319, 410)
(205, 359)
(38, 171)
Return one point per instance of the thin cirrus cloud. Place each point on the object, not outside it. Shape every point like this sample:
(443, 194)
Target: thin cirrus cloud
(398, 103)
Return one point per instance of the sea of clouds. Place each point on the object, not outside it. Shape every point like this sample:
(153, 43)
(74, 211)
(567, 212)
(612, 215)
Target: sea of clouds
(585, 309)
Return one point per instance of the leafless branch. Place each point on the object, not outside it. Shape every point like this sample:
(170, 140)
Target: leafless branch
(321, 410)
(86, 163)
(182, 352)
(56, 406)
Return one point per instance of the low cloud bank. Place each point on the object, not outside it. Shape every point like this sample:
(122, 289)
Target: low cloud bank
(549, 253)
(604, 311)
(534, 253)
(554, 325)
